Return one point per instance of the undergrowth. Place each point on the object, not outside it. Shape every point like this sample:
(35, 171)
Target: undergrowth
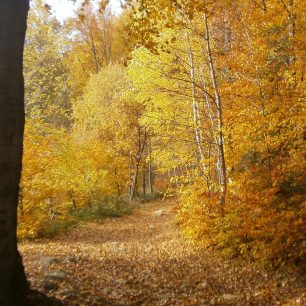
(109, 207)
(148, 197)
(262, 226)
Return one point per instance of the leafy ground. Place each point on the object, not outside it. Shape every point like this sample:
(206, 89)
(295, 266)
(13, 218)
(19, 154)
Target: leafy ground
(142, 259)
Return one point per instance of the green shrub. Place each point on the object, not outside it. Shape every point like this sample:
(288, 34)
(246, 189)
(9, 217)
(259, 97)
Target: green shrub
(150, 197)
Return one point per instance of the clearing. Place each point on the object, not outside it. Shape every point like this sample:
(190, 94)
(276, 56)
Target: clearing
(142, 259)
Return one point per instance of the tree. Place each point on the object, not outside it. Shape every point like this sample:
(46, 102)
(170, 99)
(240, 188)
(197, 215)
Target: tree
(14, 287)
(240, 68)
(47, 94)
(13, 16)
(110, 111)
(93, 41)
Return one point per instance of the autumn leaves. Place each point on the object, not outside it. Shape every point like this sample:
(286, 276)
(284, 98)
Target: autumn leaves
(205, 98)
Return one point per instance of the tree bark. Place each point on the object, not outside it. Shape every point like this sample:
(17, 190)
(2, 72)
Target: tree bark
(134, 182)
(138, 159)
(196, 113)
(144, 185)
(220, 140)
(150, 172)
(13, 15)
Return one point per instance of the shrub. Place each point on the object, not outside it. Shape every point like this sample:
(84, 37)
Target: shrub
(262, 224)
(109, 207)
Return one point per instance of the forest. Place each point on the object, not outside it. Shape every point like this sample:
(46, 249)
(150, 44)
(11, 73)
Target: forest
(181, 112)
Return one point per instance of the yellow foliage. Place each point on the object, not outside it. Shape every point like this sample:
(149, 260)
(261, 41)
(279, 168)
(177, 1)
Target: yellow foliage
(60, 176)
(212, 100)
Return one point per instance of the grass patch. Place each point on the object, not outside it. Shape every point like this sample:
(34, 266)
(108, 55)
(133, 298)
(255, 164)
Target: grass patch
(53, 228)
(109, 207)
(148, 197)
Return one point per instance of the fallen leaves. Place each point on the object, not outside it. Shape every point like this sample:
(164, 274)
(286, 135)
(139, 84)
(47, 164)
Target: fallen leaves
(143, 259)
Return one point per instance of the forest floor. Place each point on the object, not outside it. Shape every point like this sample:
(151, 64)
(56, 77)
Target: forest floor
(143, 259)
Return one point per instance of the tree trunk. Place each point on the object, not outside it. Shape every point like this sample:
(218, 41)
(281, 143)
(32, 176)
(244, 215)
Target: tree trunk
(134, 182)
(72, 198)
(13, 15)
(150, 172)
(144, 185)
(220, 140)
(196, 113)
(130, 175)
(211, 119)
(138, 159)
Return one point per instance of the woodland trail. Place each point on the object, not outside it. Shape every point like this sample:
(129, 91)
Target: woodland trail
(142, 259)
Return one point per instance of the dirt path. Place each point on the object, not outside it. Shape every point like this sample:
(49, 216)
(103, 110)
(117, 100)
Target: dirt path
(142, 259)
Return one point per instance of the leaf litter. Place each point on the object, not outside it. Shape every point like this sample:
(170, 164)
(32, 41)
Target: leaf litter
(143, 259)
